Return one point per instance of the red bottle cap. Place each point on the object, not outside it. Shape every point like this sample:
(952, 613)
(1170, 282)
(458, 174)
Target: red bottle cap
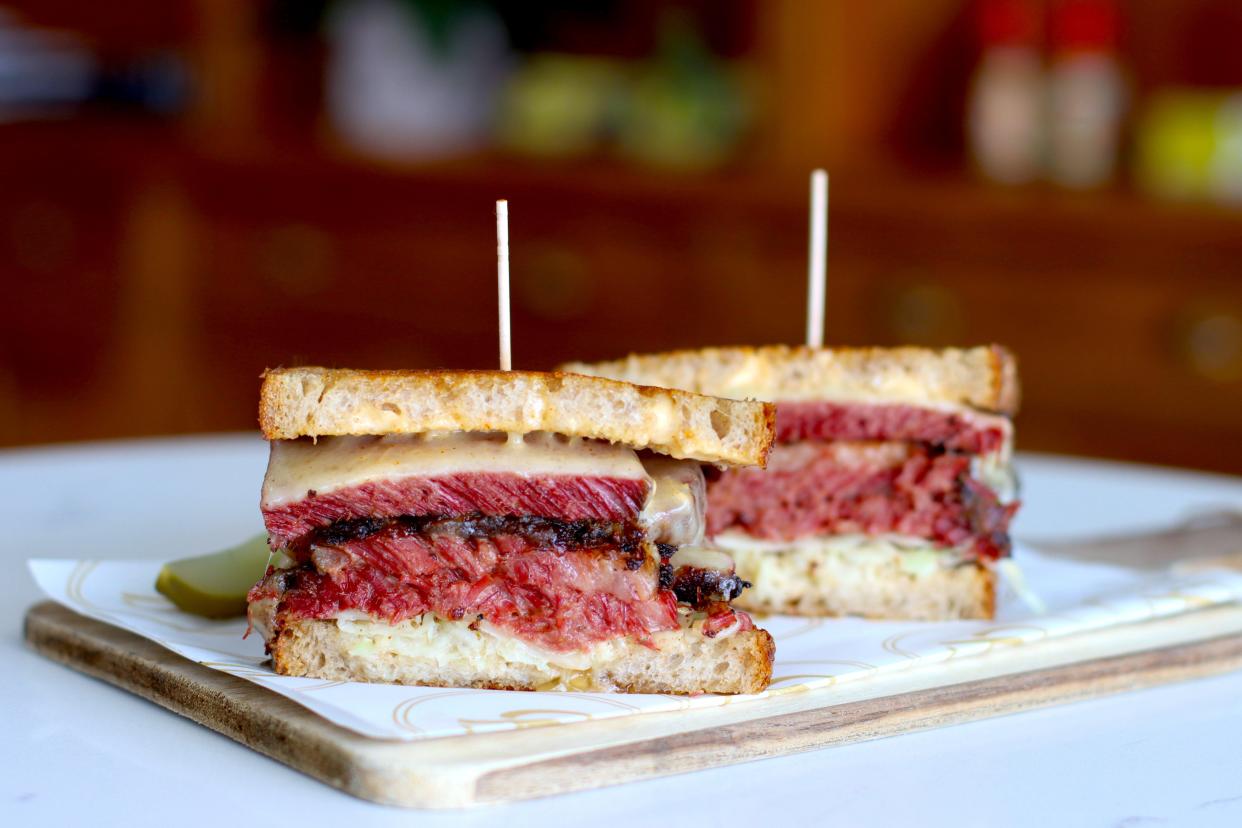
(1009, 22)
(1086, 26)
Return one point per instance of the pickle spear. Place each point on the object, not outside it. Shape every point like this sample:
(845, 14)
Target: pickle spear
(215, 585)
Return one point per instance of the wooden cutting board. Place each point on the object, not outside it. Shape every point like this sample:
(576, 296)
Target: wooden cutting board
(461, 771)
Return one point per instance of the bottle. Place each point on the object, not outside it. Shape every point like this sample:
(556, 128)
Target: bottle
(1005, 110)
(1087, 93)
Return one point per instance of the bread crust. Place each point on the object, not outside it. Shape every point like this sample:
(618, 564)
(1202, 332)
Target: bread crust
(686, 662)
(317, 402)
(984, 377)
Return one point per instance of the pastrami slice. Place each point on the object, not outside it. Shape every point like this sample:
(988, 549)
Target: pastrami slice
(957, 430)
(884, 489)
(459, 495)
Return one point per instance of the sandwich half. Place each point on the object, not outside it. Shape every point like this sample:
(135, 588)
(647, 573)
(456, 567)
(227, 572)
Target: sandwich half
(506, 530)
(890, 491)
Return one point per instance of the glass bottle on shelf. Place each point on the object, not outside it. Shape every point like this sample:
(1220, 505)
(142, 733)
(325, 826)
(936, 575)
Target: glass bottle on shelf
(1005, 110)
(1087, 93)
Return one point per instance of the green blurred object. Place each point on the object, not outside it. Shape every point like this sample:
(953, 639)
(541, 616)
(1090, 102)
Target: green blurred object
(215, 585)
(686, 108)
(560, 105)
(440, 18)
(682, 108)
(1189, 146)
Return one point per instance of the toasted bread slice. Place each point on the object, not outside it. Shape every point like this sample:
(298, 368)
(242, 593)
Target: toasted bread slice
(318, 402)
(815, 577)
(682, 661)
(983, 378)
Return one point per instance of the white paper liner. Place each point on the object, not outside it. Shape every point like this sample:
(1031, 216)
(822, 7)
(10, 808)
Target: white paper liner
(810, 652)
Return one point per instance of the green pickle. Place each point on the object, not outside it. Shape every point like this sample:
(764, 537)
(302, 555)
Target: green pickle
(215, 585)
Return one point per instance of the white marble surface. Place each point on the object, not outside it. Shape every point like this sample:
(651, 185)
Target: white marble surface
(78, 752)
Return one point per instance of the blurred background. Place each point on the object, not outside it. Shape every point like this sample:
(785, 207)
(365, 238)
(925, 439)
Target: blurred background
(193, 190)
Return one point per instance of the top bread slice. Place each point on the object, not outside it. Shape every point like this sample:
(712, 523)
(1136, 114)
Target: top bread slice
(319, 402)
(983, 378)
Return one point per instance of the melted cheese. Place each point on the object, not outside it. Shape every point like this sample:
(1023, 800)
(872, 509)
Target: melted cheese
(300, 466)
(678, 503)
(996, 472)
(702, 557)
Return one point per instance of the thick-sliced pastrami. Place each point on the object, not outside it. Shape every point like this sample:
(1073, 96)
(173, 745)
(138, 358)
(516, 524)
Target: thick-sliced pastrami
(447, 556)
(566, 498)
(567, 619)
(558, 598)
(873, 489)
(972, 433)
(625, 538)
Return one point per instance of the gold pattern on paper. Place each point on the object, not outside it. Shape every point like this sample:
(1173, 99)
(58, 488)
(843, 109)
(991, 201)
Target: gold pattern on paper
(526, 718)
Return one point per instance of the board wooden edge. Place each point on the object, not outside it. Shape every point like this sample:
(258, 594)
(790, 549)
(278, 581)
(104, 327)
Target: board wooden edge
(865, 720)
(478, 769)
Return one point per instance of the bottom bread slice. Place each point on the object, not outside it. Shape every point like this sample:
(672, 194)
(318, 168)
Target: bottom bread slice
(437, 652)
(870, 577)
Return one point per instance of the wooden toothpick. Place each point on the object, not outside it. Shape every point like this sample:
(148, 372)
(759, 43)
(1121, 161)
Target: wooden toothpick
(502, 282)
(817, 271)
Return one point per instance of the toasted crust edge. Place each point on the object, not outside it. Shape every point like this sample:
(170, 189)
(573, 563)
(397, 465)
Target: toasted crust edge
(998, 392)
(1008, 393)
(318, 649)
(315, 401)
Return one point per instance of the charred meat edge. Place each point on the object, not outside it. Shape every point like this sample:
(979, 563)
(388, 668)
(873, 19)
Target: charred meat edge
(693, 586)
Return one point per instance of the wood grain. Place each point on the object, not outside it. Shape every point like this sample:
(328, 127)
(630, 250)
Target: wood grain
(471, 770)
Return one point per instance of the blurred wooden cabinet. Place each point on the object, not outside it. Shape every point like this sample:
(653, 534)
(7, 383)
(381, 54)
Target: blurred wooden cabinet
(62, 274)
(1126, 317)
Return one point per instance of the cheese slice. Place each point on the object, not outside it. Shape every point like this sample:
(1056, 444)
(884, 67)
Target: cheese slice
(676, 509)
(297, 467)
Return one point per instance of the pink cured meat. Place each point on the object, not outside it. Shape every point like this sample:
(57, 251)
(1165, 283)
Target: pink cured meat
(559, 599)
(952, 430)
(834, 488)
(553, 496)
